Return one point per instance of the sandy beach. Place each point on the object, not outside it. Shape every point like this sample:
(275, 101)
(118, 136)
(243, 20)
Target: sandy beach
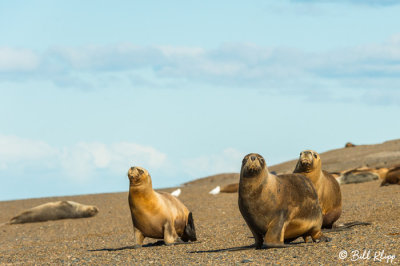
(107, 238)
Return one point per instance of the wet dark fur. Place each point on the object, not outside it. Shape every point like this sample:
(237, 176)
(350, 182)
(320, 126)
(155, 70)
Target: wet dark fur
(189, 233)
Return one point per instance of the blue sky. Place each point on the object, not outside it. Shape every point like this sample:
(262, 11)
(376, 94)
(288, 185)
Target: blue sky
(186, 88)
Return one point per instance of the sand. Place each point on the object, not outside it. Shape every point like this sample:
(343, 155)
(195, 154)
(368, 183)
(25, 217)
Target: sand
(108, 237)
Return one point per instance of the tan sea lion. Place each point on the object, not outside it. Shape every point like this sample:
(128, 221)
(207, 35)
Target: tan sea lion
(157, 215)
(328, 189)
(382, 172)
(392, 177)
(55, 211)
(231, 188)
(277, 208)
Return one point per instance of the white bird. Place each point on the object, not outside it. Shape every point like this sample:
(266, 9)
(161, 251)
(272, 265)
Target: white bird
(215, 191)
(176, 193)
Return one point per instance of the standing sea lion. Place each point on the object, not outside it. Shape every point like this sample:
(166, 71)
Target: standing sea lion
(328, 189)
(55, 211)
(277, 207)
(154, 214)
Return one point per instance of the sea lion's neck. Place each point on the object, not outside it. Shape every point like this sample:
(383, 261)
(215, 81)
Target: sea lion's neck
(141, 192)
(314, 175)
(254, 185)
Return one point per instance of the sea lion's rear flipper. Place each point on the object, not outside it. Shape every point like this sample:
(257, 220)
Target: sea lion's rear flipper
(345, 226)
(190, 232)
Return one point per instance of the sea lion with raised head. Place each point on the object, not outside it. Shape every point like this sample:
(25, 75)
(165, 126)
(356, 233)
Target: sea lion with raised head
(328, 189)
(277, 208)
(157, 215)
(55, 211)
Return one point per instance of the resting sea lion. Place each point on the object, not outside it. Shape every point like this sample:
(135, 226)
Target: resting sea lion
(392, 177)
(358, 175)
(55, 211)
(231, 188)
(349, 145)
(157, 215)
(328, 189)
(277, 207)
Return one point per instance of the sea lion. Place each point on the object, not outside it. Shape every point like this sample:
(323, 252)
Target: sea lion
(349, 145)
(157, 215)
(277, 208)
(328, 189)
(392, 177)
(231, 188)
(358, 175)
(55, 211)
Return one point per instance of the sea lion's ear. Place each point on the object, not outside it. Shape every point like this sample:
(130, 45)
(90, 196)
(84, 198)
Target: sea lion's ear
(315, 155)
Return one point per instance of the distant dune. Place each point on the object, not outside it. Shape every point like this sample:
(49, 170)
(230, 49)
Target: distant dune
(386, 154)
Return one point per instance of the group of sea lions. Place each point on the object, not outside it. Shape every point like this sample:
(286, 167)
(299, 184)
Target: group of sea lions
(277, 208)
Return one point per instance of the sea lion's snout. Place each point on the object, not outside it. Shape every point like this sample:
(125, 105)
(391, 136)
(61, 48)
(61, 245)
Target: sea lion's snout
(93, 211)
(252, 164)
(136, 175)
(306, 159)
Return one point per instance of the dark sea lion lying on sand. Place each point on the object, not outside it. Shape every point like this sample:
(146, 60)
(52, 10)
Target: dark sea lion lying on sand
(392, 177)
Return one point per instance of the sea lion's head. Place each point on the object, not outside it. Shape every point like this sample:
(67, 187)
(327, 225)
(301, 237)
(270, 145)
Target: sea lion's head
(138, 177)
(252, 165)
(92, 211)
(308, 161)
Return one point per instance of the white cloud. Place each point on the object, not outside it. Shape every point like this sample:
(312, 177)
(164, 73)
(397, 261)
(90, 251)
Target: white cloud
(12, 59)
(241, 65)
(79, 162)
(14, 149)
(229, 160)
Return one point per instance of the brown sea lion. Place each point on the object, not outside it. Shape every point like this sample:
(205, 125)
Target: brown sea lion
(392, 177)
(157, 215)
(328, 189)
(55, 211)
(349, 145)
(277, 208)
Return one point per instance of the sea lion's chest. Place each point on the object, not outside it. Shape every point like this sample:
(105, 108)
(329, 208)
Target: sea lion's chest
(257, 211)
(148, 216)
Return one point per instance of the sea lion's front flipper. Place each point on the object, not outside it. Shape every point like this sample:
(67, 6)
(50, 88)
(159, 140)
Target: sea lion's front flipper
(169, 233)
(139, 237)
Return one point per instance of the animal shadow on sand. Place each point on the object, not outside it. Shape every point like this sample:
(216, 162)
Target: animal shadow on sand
(286, 245)
(155, 244)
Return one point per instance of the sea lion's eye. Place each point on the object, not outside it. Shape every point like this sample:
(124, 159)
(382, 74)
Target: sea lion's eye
(244, 160)
(315, 156)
